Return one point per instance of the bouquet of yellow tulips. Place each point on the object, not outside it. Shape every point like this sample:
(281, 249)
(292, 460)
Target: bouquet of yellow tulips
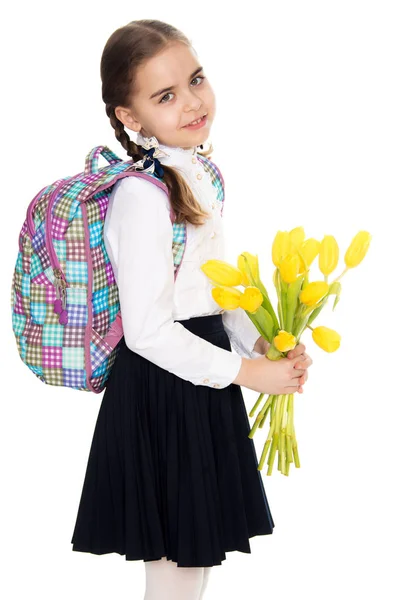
(299, 302)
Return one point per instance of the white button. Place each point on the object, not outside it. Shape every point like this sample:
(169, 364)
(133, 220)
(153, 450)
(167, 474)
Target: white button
(213, 205)
(216, 385)
(213, 234)
(206, 381)
(194, 160)
(199, 175)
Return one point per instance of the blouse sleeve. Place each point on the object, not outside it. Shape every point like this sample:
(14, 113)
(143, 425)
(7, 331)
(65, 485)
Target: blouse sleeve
(241, 331)
(139, 237)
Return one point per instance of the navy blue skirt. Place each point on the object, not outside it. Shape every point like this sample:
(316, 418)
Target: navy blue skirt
(171, 469)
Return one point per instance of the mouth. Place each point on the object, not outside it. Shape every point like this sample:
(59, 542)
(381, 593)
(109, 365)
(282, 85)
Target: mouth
(196, 121)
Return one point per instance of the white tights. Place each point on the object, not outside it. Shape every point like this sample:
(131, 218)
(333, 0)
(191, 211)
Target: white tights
(166, 581)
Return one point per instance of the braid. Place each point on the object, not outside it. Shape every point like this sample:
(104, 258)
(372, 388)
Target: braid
(132, 149)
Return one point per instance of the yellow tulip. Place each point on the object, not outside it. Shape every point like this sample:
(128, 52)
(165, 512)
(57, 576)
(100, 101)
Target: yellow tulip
(222, 273)
(328, 255)
(252, 263)
(280, 247)
(357, 249)
(325, 338)
(296, 238)
(289, 268)
(226, 297)
(314, 292)
(284, 341)
(309, 249)
(251, 299)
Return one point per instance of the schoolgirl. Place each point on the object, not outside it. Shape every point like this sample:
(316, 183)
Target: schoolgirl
(172, 476)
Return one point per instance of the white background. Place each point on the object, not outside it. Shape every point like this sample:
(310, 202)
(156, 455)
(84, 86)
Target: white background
(306, 133)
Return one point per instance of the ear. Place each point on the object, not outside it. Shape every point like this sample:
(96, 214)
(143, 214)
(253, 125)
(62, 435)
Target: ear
(127, 118)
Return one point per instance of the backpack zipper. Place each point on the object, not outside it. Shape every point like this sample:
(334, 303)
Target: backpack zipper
(60, 281)
(32, 206)
(30, 209)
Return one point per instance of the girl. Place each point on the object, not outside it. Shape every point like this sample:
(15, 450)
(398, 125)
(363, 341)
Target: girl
(172, 476)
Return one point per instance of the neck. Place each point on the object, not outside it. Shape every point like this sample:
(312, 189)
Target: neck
(191, 149)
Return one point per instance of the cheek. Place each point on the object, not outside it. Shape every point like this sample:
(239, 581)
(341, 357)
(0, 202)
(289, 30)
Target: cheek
(210, 101)
(166, 121)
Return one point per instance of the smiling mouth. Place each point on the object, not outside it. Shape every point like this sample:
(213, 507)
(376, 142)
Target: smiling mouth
(196, 120)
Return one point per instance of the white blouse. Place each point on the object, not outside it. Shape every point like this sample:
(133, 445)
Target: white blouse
(138, 238)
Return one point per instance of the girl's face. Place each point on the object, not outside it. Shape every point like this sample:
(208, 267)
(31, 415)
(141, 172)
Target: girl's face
(171, 91)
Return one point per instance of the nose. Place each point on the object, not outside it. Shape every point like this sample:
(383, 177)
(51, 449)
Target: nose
(191, 102)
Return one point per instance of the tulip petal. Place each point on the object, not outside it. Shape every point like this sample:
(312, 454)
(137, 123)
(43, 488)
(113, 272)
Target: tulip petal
(326, 338)
(358, 248)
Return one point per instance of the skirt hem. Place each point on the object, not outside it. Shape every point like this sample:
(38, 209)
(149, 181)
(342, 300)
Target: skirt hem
(180, 563)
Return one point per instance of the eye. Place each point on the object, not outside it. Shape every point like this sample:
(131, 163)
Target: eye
(201, 77)
(161, 101)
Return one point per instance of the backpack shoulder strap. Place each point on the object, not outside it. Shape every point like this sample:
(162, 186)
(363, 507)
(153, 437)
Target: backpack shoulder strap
(216, 179)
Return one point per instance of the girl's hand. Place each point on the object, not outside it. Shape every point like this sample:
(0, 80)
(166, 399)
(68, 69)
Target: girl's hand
(303, 363)
(261, 346)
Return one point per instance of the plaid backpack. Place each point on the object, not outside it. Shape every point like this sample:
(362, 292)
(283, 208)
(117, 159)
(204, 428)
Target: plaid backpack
(65, 307)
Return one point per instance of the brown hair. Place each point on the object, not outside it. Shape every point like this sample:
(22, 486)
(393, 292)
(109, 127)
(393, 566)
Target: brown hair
(124, 52)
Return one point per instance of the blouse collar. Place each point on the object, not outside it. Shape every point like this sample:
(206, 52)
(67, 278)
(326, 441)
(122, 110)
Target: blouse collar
(174, 156)
(187, 161)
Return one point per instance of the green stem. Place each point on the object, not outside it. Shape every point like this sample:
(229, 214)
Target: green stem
(278, 286)
(273, 417)
(273, 353)
(315, 311)
(341, 275)
(291, 302)
(264, 455)
(264, 419)
(301, 321)
(284, 288)
(295, 451)
(272, 453)
(253, 410)
(260, 416)
(267, 303)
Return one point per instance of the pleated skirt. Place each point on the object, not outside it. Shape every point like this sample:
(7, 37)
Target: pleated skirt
(171, 470)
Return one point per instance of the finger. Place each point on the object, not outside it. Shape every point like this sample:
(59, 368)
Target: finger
(301, 365)
(293, 361)
(296, 351)
(303, 379)
(304, 363)
(308, 359)
(295, 387)
(297, 373)
(297, 357)
(299, 361)
(291, 389)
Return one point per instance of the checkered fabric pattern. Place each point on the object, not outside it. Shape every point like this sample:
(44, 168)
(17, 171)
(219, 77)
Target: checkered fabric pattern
(75, 343)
